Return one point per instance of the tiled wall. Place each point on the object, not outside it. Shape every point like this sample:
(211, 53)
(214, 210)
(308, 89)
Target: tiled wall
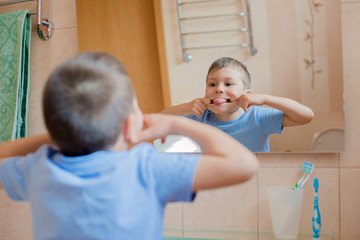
(245, 207)
(15, 218)
(350, 161)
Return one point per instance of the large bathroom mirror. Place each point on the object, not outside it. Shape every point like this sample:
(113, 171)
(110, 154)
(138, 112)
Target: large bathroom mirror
(298, 55)
(298, 43)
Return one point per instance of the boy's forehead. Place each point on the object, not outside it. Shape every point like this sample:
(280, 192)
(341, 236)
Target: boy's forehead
(225, 73)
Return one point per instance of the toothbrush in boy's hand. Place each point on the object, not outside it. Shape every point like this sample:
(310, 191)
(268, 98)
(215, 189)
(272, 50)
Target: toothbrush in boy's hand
(307, 168)
(316, 219)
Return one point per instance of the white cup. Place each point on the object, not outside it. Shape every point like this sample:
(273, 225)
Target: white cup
(285, 210)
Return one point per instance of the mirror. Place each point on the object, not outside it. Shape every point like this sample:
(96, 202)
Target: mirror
(299, 56)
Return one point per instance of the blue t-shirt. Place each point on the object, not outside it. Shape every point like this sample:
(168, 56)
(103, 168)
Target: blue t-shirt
(252, 128)
(103, 195)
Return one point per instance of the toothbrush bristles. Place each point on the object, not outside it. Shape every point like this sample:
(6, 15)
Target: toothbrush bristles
(307, 168)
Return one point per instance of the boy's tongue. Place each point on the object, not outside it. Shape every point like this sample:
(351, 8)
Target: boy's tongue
(219, 101)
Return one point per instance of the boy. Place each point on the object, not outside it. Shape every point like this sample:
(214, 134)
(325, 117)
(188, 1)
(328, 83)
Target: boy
(90, 186)
(226, 106)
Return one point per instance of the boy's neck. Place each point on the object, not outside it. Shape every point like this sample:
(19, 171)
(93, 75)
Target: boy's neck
(226, 117)
(120, 145)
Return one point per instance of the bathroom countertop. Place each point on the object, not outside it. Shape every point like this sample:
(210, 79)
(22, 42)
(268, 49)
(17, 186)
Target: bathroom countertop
(225, 234)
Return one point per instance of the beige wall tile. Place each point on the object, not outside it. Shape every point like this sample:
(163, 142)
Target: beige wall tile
(351, 52)
(301, 138)
(349, 1)
(228, 208)
(335, 67)
(285, 142)
(40, 68)
(281, 39)
(173, 220)
(46, 9)
(221, 234)
(63, 46)
(349, 204)
(15, 219)
(337, 119)
(64, 14)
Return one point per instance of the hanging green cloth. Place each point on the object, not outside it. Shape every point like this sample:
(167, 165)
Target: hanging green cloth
(15, 34)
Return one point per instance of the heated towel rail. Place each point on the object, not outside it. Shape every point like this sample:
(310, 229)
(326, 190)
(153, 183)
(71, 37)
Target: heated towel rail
(183, 34)
(44, 26)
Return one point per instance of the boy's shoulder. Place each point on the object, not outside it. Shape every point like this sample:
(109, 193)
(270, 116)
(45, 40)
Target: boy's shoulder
(261, 112)
(44, 151)
(142, 147)
(262, 109)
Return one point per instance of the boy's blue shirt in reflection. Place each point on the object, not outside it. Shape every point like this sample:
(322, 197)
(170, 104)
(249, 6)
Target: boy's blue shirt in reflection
(103, 195)
(252, 128)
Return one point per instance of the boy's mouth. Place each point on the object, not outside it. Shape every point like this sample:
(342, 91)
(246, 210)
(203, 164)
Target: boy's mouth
(218, 101)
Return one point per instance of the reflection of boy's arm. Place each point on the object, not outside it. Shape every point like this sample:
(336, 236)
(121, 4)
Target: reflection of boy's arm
(295, 112)
(196, 106)
(224, 160)
(23, 146)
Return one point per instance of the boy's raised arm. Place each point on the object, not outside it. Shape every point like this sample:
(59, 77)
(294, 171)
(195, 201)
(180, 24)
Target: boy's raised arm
(224, 160)
(23, 146)
(295, 112)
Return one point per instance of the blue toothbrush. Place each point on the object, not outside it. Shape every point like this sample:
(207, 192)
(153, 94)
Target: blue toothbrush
(316, 219)
(307, 168)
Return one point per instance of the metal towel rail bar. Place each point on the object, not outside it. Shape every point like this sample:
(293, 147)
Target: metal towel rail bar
(242, 14)
(205, 1)
(218, 31)
(44, 26)
(186, 56)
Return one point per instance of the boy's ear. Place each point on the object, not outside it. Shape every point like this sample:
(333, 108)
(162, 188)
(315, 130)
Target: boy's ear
(129, 130)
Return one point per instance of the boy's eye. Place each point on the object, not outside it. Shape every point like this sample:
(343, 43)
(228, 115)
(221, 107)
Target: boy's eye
(228, 84)
(212, 84)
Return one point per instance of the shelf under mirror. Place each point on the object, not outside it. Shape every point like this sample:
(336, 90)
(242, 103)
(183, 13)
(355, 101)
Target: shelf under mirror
(226, 234)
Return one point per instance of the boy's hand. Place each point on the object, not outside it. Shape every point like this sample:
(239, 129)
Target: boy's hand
(249, 99)
(197, 106)
(156, 126)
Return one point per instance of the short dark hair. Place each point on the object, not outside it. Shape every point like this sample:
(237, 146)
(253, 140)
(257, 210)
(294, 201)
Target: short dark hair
(230, 62)
(86, 102)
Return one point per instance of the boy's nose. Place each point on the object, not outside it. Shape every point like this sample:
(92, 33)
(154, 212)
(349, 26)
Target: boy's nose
(219, 89)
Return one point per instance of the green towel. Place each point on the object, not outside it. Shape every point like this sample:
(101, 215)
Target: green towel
(15, 33)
